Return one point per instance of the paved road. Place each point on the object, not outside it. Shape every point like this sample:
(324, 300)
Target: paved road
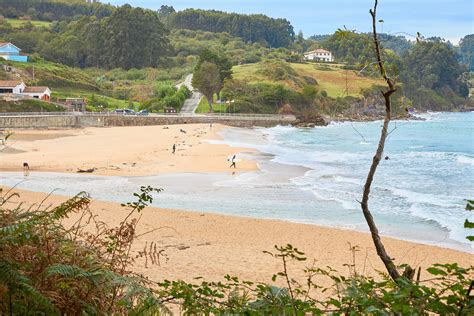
(190, 105)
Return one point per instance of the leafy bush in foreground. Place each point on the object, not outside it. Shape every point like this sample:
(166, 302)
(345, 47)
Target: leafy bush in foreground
(48, 268)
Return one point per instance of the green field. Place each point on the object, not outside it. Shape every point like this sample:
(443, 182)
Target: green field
(17, 23)
(203, 106)
(330, 77)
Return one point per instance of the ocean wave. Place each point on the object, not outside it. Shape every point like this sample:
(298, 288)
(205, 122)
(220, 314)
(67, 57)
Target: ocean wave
(426, 198)
(448, 219)
(465, 160)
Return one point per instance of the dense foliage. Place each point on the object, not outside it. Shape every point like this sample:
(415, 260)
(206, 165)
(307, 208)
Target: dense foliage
(130, 37)
(53, 10)
(431, 76)
(166, 95)
(251, 28)
(466, 51)
(48, 268)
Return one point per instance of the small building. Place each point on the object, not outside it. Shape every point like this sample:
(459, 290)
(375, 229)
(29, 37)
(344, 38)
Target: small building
(8, 51)
(12, 86)
(42, 93)
(169, 110)
(319, 54)
(76, 104)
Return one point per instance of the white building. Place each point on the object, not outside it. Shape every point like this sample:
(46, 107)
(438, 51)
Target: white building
(43, 93)
(17, 87)
(12, 86)
(319, 54)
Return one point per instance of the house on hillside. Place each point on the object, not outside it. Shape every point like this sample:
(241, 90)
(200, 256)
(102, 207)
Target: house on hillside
(12, 86)
(18, 89)
(8, 51)
(42, 93)
(319, 54)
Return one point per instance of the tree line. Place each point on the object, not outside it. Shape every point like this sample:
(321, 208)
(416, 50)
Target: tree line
(251, 28)
(53, 11)
(128, 38)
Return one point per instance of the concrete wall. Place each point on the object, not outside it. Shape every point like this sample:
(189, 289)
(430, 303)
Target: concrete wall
(77, 121)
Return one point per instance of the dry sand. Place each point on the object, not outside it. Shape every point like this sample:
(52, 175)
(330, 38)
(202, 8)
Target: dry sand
(133, 150)
(211, 246)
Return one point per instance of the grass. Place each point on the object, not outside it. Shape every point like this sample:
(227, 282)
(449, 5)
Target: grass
(66, 82)
(17, 23)
(330, 77)
(203, 106)
(28, 105)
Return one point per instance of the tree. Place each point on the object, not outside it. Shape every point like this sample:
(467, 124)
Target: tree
(221, 61)
(384, 256)
(206, 80)
(466, 51)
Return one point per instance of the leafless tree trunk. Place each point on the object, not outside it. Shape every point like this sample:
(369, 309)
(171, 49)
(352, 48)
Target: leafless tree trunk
(389, 265)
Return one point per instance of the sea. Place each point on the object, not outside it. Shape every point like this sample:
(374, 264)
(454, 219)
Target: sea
(316, 176)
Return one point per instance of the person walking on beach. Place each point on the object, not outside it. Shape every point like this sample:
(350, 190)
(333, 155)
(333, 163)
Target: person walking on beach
(233, 162)
(174, 148)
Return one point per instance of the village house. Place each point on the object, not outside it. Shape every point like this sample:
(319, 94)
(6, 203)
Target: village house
(42, 93)
(319, 54)
(8, 51)
(18, 89)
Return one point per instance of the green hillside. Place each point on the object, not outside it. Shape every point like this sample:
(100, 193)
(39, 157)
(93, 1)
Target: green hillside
(328, 77)
(17, 23)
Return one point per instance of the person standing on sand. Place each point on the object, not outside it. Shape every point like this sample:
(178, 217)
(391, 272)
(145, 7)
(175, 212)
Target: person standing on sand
(233, 162)
(174, 148)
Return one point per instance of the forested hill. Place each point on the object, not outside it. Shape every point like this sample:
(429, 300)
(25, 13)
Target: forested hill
(125, 50)
(251, 28)
(53, 10)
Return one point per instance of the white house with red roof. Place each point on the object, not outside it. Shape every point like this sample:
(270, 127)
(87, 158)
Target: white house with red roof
(19, 89)
(319, 54)
(8, 51)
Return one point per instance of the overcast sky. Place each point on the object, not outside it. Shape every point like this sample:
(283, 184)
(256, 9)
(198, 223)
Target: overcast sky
(450, 19)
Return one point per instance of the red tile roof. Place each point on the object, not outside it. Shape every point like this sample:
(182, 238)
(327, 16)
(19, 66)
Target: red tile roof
(35, 89)
(10, 83)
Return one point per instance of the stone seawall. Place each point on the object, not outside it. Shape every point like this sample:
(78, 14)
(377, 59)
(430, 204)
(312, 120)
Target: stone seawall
(78, 121)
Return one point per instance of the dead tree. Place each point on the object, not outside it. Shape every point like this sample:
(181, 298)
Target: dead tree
(382, 253)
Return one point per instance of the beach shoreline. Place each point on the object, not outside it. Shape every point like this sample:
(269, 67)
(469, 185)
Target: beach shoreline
(115, 151)
(201, 244)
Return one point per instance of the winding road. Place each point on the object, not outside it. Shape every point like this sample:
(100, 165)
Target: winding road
(191, 104)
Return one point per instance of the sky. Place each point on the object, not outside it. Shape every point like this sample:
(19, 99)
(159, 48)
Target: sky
(449, 19)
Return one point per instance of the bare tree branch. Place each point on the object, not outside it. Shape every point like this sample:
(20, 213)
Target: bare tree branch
(382, 253)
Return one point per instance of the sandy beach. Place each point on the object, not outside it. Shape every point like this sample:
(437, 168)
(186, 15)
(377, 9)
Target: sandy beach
(128, 151)
(197, 243)
(202, 244)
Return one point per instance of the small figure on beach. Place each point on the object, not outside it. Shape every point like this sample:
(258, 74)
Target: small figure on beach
(233, 162)
(26, 169)
(182, 131)
(174, 148)
(210, 126)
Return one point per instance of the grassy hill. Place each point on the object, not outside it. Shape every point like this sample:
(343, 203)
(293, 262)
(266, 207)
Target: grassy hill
(17, 23)
(329, 77)
(109, 89)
